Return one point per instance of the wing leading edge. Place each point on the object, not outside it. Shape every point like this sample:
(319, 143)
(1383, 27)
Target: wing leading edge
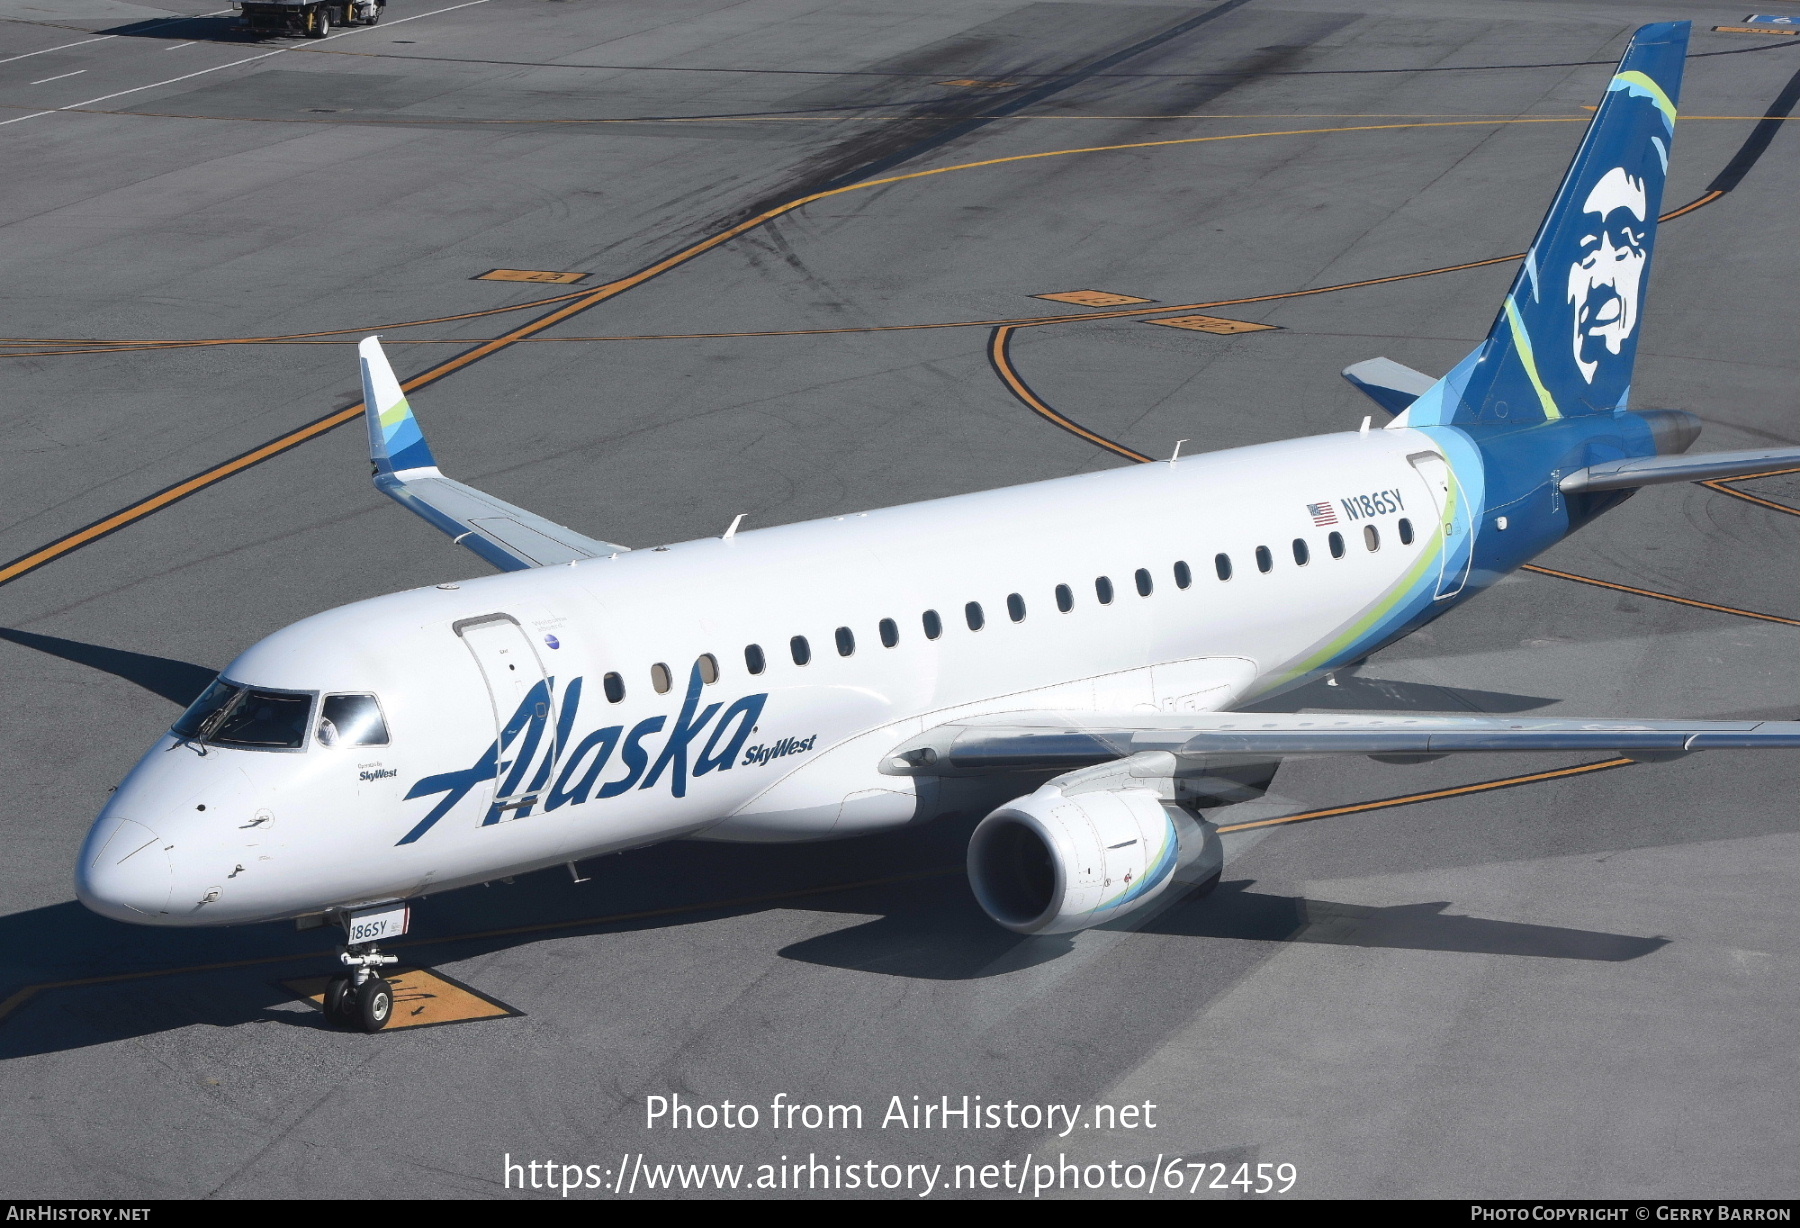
(1060, 741)
(509, 537)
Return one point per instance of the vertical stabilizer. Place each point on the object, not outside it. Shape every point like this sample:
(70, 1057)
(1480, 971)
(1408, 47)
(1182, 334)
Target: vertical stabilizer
(1567, 333)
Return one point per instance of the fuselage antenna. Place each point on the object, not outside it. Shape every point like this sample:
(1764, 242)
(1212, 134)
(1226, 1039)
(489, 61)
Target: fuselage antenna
(732, 531)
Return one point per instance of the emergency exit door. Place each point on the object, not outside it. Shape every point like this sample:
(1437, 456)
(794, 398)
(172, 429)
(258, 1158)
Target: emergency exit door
(510, 666)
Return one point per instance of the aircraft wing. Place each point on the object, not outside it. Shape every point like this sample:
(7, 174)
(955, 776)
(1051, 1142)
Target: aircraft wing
(509, 537)
(1060, 741)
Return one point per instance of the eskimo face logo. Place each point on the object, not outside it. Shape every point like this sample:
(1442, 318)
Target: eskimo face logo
(1605, 280)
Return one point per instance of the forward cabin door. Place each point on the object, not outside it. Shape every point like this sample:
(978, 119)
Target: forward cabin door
(520, 695)
(1453, 524)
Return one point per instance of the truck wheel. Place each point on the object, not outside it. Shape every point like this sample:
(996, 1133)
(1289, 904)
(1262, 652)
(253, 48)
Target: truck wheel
(373, 17)
(318, 23)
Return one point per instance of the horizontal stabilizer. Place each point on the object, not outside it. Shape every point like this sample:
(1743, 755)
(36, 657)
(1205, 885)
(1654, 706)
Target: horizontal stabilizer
(509, 537)
(1059, 741)
(1388, 383)
(1652, 470)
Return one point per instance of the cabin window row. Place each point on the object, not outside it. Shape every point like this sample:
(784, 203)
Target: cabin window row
(662, 680)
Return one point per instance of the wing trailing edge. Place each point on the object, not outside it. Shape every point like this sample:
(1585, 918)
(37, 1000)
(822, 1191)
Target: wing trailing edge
(1060, 741)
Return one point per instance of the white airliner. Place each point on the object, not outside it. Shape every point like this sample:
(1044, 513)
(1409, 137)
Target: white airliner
(862, 672)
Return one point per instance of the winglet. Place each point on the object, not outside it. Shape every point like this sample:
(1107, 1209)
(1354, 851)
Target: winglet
(396, 444)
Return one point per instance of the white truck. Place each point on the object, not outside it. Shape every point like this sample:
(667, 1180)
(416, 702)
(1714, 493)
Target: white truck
(311, 18)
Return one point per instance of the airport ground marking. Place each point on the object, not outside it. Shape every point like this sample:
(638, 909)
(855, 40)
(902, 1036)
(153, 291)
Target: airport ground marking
(325, 337)
(1722, 485)
(161, 21)
(1000, 358)
(826, 115)
(1645, 592)
(865, 72)
(569, 305)
(423, 998)
(1750, 498)
(1481, 786)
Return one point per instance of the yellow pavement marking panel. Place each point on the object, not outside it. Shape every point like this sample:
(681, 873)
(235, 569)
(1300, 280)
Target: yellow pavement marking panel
(970, 83)
(1751, 30)
(540, 275)
(421, 998)
(1093, 298)
(1213, 324)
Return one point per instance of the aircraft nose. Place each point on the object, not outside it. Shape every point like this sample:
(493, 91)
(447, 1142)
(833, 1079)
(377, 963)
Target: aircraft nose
(129, 877)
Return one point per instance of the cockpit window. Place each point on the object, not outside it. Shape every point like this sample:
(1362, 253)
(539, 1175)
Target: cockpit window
(352, 720)
(205, 710)
(263, 719)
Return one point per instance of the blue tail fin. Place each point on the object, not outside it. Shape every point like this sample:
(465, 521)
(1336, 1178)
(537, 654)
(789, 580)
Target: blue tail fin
(1566, 336)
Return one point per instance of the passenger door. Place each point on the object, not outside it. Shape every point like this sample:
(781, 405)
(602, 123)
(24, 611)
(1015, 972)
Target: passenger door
(1453, 524)
(510, 665)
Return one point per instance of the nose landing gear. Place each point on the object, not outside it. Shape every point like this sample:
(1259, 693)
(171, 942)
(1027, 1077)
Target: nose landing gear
(360, 997)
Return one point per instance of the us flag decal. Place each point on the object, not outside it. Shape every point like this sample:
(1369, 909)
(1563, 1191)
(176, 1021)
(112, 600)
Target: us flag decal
(1322, 514)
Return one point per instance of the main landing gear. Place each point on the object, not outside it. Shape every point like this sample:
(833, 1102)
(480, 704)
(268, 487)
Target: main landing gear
(360, 997)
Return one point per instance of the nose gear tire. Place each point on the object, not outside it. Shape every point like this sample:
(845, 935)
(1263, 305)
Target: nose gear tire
(374, 1004)
(340, 1001)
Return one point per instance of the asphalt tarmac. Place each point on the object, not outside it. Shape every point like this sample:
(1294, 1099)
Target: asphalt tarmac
(1580, 986)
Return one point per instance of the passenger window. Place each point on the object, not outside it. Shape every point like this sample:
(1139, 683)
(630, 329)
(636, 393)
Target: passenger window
(709, 668)
(1065, 598)
(1406, 533)
(660, 679)
(846, 641)
(801, 649)
(1264, 560)
(614, 686)
(753, 659)
(352, 720)
(1103, 590)
(1336, 542)
(976, 619)
(1302, 553)
(1371, 537)
(1183, 577)
(1015, 608)
(890, 633)
(1144, 584)
(1222, 565)
(934, 626)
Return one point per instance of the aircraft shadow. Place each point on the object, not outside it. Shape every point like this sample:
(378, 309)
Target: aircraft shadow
(660, 887)
(176, 681)
(925, 925)
(948, 938)
(202, 27)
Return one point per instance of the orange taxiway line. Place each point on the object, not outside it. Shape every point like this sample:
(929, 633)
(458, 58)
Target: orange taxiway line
(1481, 786)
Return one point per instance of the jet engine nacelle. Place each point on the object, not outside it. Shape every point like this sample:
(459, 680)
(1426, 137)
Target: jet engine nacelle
(1052, 863)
